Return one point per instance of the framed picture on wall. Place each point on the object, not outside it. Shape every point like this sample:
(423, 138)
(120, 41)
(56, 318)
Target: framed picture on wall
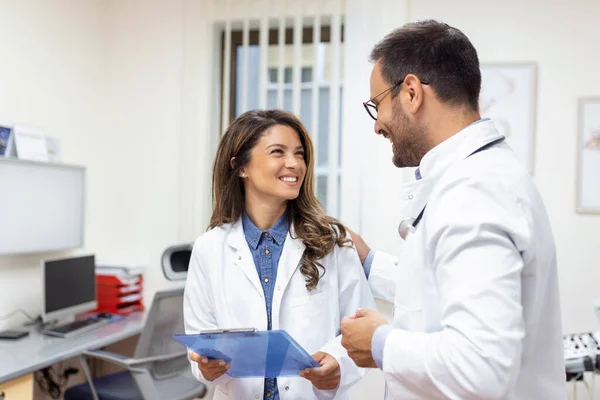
(508, 97)
(588, 156)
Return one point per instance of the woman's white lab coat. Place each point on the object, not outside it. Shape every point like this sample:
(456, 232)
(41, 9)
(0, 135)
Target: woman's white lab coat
(223, 291)
(475, 287)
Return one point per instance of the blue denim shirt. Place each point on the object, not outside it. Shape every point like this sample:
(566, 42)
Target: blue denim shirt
(266, 247)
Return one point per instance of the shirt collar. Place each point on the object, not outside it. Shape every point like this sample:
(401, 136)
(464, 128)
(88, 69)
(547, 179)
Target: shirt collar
(280, 229)
(253, 235)
(458, 146)
(418, 174)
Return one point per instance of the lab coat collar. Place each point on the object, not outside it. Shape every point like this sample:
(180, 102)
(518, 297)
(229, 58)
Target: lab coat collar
(458, 147)
(415, 194)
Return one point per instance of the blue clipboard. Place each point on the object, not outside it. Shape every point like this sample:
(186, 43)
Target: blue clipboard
(252, 353)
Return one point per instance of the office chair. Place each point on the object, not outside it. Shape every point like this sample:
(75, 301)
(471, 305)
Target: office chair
(176, 260)
(159, 369)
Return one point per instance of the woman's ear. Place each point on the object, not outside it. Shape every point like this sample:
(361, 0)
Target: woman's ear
(242, 173)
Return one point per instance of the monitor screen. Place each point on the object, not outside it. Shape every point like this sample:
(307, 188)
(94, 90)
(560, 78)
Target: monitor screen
(69, 286)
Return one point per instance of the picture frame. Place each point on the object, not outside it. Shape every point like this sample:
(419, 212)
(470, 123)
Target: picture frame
(588, 156)
(509, 97)
(6, 140)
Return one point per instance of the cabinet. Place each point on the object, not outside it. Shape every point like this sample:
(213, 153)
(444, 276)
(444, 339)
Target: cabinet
(18, 389)
(42, 206)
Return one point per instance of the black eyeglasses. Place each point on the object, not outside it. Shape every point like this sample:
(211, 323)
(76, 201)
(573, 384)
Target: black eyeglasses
(371, 107)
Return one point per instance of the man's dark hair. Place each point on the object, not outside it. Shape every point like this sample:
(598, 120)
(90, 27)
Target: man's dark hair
(437, 53)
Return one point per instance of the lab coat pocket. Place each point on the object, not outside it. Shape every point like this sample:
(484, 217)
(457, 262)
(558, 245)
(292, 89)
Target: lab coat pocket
(408, 308)
(311, 298)
(310, 320)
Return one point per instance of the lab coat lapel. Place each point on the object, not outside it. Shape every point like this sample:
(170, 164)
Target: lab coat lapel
(293, 248)
(243, 257)
(414, 197)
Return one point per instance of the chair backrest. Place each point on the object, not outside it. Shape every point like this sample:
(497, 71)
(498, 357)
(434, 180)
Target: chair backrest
(175, 261)
(164, 319)
(169, 377)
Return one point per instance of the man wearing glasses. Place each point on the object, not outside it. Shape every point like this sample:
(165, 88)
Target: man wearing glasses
(475, 287)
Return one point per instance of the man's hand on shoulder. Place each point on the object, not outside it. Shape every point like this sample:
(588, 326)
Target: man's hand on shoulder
(362, 248)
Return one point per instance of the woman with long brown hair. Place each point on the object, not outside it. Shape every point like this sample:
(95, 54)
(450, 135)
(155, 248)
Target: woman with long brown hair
(272, 259)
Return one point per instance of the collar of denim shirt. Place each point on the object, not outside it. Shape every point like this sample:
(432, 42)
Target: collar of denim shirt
(253, 235)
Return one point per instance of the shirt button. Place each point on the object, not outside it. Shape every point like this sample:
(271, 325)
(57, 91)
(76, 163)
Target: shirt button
(410, 196)
(267, 251)
(267, 235)
(287, 388)
(266, 280)
(257, 397)
(239, 257)
(278, 287)
(268, 394)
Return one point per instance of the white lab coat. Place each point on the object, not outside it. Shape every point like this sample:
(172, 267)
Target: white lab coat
(223, 291)
(475, 289)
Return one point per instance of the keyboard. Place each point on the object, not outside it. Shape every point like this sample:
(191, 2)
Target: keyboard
(75, 327)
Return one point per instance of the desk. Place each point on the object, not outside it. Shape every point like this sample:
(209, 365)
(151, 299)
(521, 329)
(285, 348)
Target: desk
(36, 351)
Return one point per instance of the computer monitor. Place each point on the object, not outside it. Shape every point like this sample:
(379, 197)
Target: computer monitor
(68, 286)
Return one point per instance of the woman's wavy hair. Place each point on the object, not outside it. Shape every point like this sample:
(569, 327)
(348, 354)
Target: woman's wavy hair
(319, 232)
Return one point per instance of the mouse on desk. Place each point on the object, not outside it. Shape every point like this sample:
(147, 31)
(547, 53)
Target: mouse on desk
(104, 315)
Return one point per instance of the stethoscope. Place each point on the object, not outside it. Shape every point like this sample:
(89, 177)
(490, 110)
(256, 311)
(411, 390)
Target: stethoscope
(409, 226)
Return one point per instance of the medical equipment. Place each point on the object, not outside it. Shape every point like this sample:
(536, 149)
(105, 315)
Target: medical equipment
(582, 351)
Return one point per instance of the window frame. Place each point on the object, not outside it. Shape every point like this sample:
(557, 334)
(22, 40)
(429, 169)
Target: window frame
(237, 40)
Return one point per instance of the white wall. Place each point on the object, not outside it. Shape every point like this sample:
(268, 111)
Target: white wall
(107, 78)
(50, 77)
(138, 161)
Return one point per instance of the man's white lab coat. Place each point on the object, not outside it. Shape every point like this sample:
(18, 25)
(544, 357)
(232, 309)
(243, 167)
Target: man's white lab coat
(475, 288)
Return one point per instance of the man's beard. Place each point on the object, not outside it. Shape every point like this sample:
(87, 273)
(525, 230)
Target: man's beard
(410, 140)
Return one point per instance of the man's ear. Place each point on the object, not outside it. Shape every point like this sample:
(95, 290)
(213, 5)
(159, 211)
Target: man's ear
(414, 91)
